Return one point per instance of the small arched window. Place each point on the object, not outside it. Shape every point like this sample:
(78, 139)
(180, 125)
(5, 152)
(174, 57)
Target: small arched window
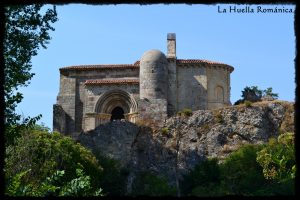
(219, 94)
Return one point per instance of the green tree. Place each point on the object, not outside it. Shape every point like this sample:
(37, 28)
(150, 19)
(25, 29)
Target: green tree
(269, 92)
(44, 153)
(278, 158)
(254, 94)
(52, 186)
(26, 30)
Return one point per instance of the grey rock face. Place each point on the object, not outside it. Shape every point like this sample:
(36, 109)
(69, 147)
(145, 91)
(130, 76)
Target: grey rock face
(191, 139)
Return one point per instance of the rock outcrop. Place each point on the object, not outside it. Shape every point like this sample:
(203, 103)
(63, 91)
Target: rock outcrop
(184, 141)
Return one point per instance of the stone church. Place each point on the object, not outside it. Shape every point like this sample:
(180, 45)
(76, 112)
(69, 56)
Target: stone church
(154, 87)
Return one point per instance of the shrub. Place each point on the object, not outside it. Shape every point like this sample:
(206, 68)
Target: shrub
(205, 173)
(248, 103)
(187, 112)
(278, 158)
(219, 118)
(148, 184)
(114, 177)
(210, 189)
(240, 173)
(52, 186)
(44, 153)
(164, 130)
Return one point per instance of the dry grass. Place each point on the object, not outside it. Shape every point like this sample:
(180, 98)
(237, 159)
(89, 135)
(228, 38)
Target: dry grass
(226, 149)
(219, 117)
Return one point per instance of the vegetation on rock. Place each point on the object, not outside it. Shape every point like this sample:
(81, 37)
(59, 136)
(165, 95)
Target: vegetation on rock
(40, 154)
(252, 170)
(185, 112)
(253, 94)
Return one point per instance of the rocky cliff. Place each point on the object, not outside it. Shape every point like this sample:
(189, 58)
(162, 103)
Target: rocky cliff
(184, 141)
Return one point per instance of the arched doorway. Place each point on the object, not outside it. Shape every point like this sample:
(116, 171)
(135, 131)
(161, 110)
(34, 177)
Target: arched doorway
(117, 114)
(115, 105)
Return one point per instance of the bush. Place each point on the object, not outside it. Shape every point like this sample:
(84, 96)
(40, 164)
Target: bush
(43, 153)
(205, 173)
(185, 112)
(278, 158)
(219, 118)
(52, 186)
(148, 184)
(164, 130)
(114, 177)
(248, 103)
(240, 173)
(210, 189)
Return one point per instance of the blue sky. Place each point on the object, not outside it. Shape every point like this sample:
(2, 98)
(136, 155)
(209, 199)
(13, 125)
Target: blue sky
(260, 46)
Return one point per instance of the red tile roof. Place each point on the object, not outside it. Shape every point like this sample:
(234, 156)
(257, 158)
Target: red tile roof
(191, 61)
(93, 67)
(136, 65)
(197, 61)
(112, 81)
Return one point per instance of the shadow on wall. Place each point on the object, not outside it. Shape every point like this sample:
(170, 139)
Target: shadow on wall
(62, 122)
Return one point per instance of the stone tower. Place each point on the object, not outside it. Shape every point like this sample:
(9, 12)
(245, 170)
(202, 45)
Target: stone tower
(153, 86)
(153, 75)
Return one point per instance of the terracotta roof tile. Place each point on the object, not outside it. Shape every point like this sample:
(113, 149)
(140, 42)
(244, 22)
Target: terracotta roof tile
(136, 65)
(112, 81)
(197, 61)
(93, 67)
(188, 61)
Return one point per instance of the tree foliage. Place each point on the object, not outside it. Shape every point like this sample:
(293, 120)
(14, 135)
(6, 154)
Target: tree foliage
(43, 153)
(26, 30)
(278, 158)
(114, 177)
(254, 94)
(252, 170)
(240, 173)
(52, 186)
(148, 184)
(204, 174)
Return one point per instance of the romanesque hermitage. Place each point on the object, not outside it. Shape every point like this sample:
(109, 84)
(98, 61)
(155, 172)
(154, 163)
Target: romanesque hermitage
(154, 87)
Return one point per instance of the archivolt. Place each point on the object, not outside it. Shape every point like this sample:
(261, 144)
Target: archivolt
(111, 99)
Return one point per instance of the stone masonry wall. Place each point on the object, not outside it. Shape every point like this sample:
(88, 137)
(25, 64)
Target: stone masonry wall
(192, 84)
(67, 100)
(217, 76)
(153, 110)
